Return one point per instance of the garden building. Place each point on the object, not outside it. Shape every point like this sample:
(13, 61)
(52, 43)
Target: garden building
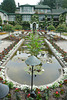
(43, 12)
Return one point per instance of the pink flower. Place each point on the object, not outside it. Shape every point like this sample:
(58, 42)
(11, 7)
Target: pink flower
(47, 87)
(28, 95)
(56, 92)
(16, 88)
(38, 92)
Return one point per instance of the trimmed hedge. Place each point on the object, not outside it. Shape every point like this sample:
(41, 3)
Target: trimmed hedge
(7, 27)
(17, 27)
(51, 27)
(61, 28)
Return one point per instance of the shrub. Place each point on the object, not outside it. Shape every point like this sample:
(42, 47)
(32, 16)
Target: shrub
(8, 28)
(30, 98)
(62, 91)
(51, 27)
(56, 94)
(18, 97)
(61, 28)
(17, 90)
(65, 81)
(10, 84)
(12, 23)
(0, 21)
(18, 27)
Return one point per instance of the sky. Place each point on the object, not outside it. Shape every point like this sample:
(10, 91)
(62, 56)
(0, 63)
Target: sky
(22, 2)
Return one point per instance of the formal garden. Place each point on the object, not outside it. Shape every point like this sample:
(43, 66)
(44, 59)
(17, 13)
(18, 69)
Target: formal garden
(56, 91)
(33, 46)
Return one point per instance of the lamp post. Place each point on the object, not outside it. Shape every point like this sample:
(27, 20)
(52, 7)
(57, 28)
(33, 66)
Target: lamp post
(33, 61)
(4, 89)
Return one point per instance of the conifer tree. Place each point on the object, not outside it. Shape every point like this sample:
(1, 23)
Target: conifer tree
(8, 6)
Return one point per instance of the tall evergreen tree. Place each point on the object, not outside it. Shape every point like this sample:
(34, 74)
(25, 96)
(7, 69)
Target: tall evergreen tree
(64, 5)
(51, 3)
(8, 6)
(0, 21)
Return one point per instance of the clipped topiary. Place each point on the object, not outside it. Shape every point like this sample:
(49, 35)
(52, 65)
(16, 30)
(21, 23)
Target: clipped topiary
(51, 27)
(17, 27)
(7, 27)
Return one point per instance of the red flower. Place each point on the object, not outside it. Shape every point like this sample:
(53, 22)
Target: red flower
(47, 87)
(56, 92)
(16, 88)
(38, 92)
(4, 82)
(0, 69)
(1, 78)
(28, 95)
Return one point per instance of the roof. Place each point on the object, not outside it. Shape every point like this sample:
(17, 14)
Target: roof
(26, 5)
(3, 11)
(42, 6)
(59, 10)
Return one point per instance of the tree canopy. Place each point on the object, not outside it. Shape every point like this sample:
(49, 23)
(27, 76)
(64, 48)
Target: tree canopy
(8, 6)
(0, 21)
(54, 3)
(64, 5)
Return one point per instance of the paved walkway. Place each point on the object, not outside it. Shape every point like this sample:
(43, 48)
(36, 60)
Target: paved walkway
(3, 36)
(61, 44)
(4, 43)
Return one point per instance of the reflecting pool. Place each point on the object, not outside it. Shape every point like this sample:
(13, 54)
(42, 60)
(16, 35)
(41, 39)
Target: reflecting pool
(16, 67)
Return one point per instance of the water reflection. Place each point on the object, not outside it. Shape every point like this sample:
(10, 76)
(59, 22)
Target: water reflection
(16, 71)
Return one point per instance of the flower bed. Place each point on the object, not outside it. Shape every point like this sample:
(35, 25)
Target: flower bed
(1, 33)
(6, 50)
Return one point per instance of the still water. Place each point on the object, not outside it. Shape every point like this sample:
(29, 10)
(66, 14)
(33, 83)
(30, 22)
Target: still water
(16, 71)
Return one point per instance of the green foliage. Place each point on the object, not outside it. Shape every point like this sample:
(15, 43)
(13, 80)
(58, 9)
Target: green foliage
(18, 97)
(56, 94)
(26, 25)
(8, 28)
(10, 84)
(5, 21)
(18, 19)
(64, 5)
(30, 98)
(0, 21)
(61, 19)
(12, 23)
(17, 27)
(46, 22)
(52, 20)
(8, 6)
(38, 97)
(35, 18)
(52, 3)
(51, 27)
(42, 24)
(61, 28)
(34, 45)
